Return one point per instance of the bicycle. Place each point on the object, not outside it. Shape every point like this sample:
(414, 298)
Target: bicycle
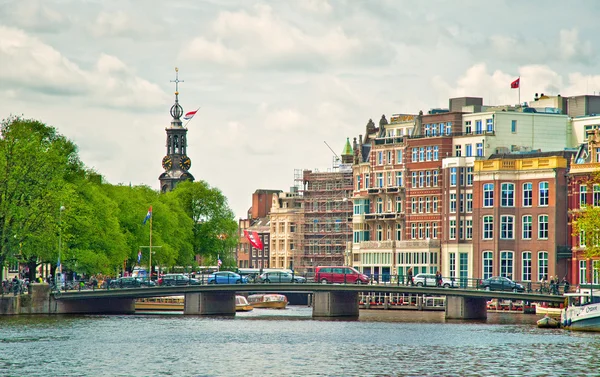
(55, 290)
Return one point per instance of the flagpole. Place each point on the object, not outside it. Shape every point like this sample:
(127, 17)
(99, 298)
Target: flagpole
(150, 257)
(519, 91)
(185, 125)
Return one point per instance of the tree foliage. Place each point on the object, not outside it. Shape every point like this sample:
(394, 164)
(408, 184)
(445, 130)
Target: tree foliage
(47, 193)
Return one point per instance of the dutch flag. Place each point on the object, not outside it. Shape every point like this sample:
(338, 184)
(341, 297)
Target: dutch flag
(190, 114)
(148, 215)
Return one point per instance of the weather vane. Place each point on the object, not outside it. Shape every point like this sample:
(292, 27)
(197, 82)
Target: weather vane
(177, 81)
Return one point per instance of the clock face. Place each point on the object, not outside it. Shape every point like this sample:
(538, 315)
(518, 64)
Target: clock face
(185, 163)
(167, 162)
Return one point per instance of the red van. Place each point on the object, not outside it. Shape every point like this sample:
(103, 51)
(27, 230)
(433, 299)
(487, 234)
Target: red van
(339, 274)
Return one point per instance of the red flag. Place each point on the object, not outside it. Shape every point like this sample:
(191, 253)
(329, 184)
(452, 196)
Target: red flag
(515, 84)
(258, 241)
(253, 238)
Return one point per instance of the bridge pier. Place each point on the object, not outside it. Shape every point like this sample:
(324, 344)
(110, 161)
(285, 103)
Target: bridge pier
(335, 304)
(209, 303)
(466, 307)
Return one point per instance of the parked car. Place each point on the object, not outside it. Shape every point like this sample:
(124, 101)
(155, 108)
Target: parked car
(127, 282)
(428, 280)
(177, 279)
(339, 274)
(500, 283)
(226, 277)
(280, 277)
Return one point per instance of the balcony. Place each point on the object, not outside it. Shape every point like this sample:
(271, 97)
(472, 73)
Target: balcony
(374, 190)
(376, 244)
(421, 244)
(370, 216)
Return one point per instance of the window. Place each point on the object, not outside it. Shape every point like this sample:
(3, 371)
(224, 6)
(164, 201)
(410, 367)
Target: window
(420, 231)
(427, 204)
(413, 231)
(429, 154)
(507, 227)
(469, 229)
(513, 126)
(415, 155)
(434, 230)
(469, 150)
(427, 129)
(489, 125)
(414, 179)
(461, 203)
(436, 154)
(367, 183)
(506, 264)
(428, 178)
(527, 194)
(457, 150)
(449, 128)
(421, 201)
(452, 203)
(399, 179)
(488, 227)
(421, 154)
(469, 202)
(478, 127)
(487, 264)
(544, 194)
(452, 229)
(582, 196)
(543, 226)
(461, 176)
(379, 158)
(379, 205)
(453, 176)
(379, 233)
(379, 179)
(389, 158)
(413, 205)
(526, 265)
(527, 227)
(398, 204)
(435, 178)
(389, 179)
(398, 232)
(543, 265)
(470, 176)
(358, 181)
(452, 264)
(507, 198)
(596, 195)
(435, 204)
(421, 178)
(582, 272)
(479, 149)
(398, 156)
(488, 195)
(468, 128)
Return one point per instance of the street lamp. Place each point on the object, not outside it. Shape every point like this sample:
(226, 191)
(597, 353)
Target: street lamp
(60, 211)
(347, 252)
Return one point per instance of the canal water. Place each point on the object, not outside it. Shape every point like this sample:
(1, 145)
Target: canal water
(290, 343)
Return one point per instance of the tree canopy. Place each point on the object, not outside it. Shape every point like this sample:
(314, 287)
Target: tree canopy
(47, 194)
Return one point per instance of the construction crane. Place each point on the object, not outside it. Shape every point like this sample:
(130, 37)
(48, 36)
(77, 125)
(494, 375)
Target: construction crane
(336, 160)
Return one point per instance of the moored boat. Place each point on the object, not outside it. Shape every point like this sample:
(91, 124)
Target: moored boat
(543, 308)
(241, 304)
(173, 303)
(548, 322)
(582, 312)
(268, 300)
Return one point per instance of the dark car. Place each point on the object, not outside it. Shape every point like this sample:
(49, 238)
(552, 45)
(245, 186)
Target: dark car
(128, 282)
(500, 283)
(280, 277)
(178, 279)
(226, 277)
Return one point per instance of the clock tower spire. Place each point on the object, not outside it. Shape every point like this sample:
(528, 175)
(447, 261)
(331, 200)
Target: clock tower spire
(176, 162)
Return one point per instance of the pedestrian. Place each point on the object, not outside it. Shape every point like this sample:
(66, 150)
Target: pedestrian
(409, 276)
(566, 285)
(438, 279)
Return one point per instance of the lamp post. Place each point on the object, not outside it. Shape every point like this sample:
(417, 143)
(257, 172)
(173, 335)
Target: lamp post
(347, 252)
(60, 211)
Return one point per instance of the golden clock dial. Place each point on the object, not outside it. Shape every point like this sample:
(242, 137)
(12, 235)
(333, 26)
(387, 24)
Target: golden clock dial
(185, 163)
(167, 163)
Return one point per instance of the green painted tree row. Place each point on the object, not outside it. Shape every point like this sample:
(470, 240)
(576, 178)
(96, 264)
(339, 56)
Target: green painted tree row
(100, 224)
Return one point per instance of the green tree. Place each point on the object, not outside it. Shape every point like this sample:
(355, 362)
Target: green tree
(214, 225)
(35, 162)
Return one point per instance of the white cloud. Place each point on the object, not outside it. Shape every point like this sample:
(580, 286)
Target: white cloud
(29, 65)
(571, 48)
(262, 38)
(35, 15)
(316, 6)
(122, 24)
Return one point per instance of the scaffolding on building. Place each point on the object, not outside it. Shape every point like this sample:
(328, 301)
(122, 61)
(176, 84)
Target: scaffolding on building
(325, 229)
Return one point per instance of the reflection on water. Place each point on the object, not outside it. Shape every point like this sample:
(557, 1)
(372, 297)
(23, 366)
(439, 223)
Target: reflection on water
(289, 342)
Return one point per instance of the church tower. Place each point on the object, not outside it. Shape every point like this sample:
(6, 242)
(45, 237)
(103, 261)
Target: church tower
(176, 162)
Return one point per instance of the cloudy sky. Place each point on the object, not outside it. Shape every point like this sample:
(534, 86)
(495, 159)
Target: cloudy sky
(274, 79)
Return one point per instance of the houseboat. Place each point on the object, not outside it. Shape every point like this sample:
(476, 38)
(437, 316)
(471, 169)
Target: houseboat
(268, 300)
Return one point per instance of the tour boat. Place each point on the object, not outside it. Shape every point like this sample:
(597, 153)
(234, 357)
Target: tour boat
(268, 300)
(172, 303)
(242, 305)
(582, 312)
(548, 322)
(543, 308)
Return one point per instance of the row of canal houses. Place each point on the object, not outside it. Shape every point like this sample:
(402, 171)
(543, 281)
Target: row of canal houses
(477, 191)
